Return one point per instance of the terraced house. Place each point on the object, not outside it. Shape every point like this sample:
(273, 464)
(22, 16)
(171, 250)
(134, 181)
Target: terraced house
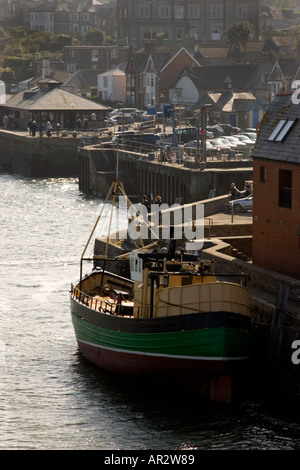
(174, 21)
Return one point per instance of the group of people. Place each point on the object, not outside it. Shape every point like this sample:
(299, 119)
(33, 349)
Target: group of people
(8, 122)
(237, 194)
(166, 155)
(145, 201)
(82, 124)
(33, 128)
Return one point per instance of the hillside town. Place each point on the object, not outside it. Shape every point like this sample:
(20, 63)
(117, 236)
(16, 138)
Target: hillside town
(156, 53)
(170, 128)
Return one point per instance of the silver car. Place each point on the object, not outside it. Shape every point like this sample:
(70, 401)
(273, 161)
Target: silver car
(242, 205)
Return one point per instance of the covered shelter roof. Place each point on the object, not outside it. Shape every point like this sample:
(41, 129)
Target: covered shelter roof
(57, 99)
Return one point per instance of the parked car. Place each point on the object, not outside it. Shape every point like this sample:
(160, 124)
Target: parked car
(240, 145)
(218, 143)
(138, 114)
(124, 119)
(232, 145)
(164, 137)
(216, 130)
(251, 135)
(186, 134)
(242, 205)
(111, 121)
(123, 111)
(229, 129)
(191, 148)
(243, 138)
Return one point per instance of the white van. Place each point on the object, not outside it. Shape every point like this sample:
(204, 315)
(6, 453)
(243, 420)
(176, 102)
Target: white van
(121, 111)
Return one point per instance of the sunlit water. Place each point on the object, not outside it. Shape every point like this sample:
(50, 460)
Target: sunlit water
(50, 397)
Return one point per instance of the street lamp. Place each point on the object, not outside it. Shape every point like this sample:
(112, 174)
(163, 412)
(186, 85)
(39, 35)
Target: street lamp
(203, 130)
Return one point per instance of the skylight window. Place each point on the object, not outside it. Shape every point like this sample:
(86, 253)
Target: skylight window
(281, 130)
(277, 129)
(284, 131)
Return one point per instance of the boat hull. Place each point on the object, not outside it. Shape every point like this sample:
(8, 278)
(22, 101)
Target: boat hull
(187, 351)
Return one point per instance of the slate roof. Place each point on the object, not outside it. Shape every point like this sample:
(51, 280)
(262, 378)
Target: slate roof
(243, 76)
(286, 150)
(55, 100)
(140, 60)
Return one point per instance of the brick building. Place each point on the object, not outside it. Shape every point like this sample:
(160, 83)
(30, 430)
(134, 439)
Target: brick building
(276, 183)
(150, 75)
(101, 58)
(139, 21)
(73, 17)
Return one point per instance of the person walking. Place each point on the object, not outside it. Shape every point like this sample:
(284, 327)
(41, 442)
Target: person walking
(5, 121)
(247, 190)
(34, 128)
(48, 128)
(235, 193)
(57, 129)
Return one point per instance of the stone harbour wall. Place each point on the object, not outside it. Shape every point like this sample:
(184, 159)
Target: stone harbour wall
(37, 157)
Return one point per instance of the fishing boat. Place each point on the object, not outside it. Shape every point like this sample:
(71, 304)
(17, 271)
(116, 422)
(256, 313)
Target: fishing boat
(173, 321)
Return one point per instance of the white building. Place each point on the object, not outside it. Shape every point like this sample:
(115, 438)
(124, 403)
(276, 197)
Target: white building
(112, 85)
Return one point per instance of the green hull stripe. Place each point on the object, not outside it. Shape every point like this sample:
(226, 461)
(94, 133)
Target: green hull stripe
(214, 343)
(173, 356)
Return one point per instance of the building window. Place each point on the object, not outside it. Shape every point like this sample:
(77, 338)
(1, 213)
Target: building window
(144, 12)
(193, 33)
(164, 12)
(216, 11)
(72, 53)
(176, 93)
(105, 82)
(216, 32)
(285, 188)
(241, 11)
(179, 34)
(94, 54)
(193, 12)
(114, 54)
(130, 97)
(130, 80)
(150, 80)
(262, 174)
(179, 12)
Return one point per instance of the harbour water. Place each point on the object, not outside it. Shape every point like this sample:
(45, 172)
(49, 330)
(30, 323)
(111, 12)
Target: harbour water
(50, 397)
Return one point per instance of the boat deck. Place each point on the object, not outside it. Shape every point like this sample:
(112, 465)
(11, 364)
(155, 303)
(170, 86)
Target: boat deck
(112, 305)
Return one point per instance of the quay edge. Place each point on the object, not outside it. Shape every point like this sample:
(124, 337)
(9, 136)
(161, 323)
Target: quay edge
(173, 182)
(38, 157)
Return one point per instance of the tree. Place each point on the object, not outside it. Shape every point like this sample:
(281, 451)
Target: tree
(94, 37)
(7, 75)
(60, 41)
(237, 37)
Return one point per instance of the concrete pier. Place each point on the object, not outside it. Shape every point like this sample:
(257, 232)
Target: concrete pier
(173, 182)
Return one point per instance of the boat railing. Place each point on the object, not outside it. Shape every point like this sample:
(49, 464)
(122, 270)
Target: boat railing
(106, 306)
(94, 302)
